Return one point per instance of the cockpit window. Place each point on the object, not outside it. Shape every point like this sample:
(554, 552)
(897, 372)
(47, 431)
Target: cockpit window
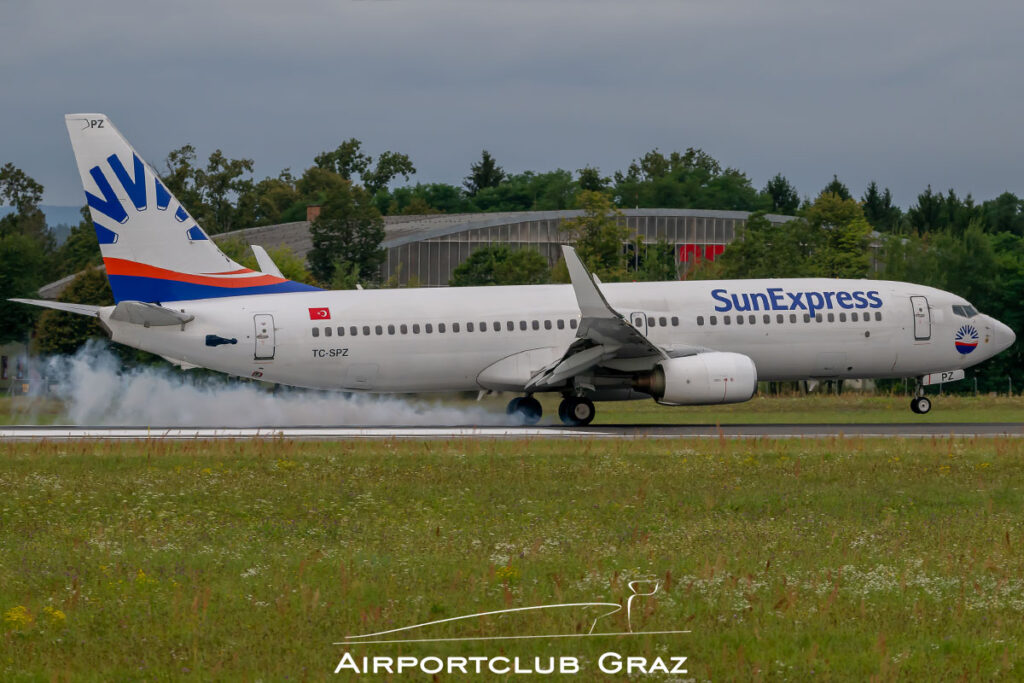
(967, 311)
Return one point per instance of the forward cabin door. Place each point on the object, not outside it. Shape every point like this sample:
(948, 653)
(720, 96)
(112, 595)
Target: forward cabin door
(264, 323)
(922, 318)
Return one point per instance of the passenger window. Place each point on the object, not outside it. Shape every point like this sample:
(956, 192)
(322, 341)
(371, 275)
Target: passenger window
(522, 324)
(842, 317)
(675, 321)
(510, 326)
(404, 329)
(483, 327)
(547, 324)
(440, 328)
(638, 322)
(316, 331)
(379, 330)
(469, 327)
(854, 316)
(328, 331)
(780, 318)
(792, 317)
(428, 328)
(650, 321)
(767, 319)
(573, 323)
(455, 327)
(739, 319)
(751, 319)
(878, 315)
(366, 330)
(818, 317)
(714, 320)
(391, 329)
(535, 324)
(415, 328)
(726, 319)
(354, 331)
(341, 331)
(663, 321)
(831, 317)
(560, 324)
(807, 317)
(700, 321)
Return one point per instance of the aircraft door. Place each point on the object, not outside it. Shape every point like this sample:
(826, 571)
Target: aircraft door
(922, 318)
(264, 323)
(639, 321)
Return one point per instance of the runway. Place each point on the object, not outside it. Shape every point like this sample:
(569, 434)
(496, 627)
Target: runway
(663, 431)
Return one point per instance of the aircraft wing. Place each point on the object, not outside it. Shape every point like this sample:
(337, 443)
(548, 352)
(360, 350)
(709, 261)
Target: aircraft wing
(603, 335)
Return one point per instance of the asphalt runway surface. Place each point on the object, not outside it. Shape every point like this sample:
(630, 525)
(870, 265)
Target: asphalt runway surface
(664, 431)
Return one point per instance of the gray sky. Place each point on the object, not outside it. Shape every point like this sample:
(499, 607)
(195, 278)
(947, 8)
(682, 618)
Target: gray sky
(904, 93)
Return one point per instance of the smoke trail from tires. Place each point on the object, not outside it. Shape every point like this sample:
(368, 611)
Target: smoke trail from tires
(98, 390)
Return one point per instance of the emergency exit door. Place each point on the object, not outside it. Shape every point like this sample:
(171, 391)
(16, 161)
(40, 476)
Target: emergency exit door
(264, 323)
(922, 318)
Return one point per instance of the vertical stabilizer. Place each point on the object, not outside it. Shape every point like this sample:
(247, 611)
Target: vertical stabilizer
(152, 248)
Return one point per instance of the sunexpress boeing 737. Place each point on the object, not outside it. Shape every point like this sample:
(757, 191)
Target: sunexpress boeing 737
(681, 343)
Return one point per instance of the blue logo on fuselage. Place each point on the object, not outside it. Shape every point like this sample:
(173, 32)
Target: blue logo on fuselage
(778, 299)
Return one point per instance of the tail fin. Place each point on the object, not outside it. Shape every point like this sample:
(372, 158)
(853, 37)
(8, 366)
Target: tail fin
(152, 248)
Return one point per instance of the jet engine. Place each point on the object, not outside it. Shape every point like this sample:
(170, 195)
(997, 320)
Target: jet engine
(706, 378)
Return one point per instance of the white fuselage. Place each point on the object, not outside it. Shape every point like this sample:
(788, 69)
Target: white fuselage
(880, 332)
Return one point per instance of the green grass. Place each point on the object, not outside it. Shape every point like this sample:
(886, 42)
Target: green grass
(787, 560)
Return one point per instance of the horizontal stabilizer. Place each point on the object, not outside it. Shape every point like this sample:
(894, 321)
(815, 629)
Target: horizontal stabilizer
(150, 315)
(80, 309)
(266, 263)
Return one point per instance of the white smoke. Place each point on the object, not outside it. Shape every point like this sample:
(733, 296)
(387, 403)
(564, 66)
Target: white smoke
(98, 390)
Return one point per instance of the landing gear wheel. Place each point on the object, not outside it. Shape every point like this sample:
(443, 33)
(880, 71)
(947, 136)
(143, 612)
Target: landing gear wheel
(527, 408)
(576, 412)
(921, 405)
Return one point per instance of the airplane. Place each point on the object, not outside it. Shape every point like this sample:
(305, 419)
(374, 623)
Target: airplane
(681, 343)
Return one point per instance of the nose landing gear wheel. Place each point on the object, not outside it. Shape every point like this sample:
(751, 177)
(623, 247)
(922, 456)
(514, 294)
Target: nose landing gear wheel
(527, 408)
(920, 405)
(576, 412)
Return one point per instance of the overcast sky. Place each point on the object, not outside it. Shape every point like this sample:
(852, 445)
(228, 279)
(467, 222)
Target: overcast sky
(904, 93)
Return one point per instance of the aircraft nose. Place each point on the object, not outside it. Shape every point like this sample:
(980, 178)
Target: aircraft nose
(1002, 335)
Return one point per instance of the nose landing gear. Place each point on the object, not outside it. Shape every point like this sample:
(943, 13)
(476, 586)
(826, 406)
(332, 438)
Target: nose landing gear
(920, 404)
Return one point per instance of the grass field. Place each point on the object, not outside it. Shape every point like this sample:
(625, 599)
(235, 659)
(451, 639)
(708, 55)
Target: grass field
(848, 408)
(786, 560)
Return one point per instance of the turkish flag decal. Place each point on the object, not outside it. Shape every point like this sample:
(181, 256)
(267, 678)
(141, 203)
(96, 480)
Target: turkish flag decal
(319, 314)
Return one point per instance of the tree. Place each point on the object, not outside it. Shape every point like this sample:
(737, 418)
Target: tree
(26, 250)
(785, 199)
(763, 250)
(599, 234)
(879, 209)
(58, 332)
(927, 214)
(484, 173)
(348, 161)
(501, 265)
(658, 262)
(837, 188)
(348, 233)
(81, 249)
(844, 234)
(219, 197)
(19, 190)
(590, 178)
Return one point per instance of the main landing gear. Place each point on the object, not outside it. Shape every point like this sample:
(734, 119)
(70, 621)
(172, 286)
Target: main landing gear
(920, 404)
(576, 411)
(573, 411)
(527, 408)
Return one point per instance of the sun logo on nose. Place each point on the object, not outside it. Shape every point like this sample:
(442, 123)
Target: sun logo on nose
(966, 339)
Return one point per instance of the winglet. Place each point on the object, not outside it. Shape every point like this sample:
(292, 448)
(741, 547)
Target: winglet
(590, 299)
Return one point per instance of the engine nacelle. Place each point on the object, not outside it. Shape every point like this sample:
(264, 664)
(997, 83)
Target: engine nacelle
(703, 379)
